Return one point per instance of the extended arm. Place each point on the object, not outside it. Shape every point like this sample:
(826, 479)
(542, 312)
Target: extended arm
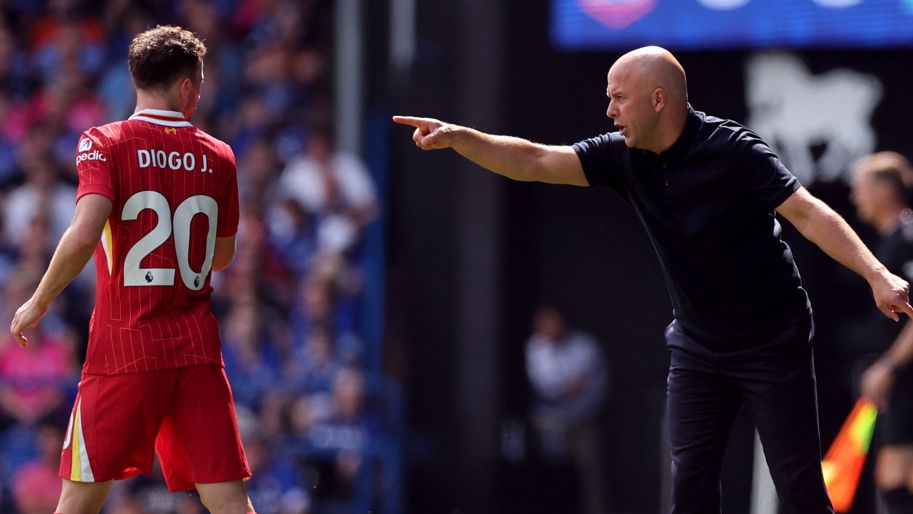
(824, 227)
(73, 251)
(512, 157)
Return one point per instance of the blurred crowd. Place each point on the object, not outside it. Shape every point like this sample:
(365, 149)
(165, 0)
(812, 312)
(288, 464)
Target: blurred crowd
(314, 422)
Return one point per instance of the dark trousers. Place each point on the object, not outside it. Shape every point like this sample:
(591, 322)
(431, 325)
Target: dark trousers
(775, 381)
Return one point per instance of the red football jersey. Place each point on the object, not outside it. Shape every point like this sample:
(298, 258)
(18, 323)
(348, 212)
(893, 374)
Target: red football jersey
(174, 189)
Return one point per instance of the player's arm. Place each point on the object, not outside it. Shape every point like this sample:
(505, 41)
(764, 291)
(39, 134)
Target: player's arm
(878, 379)
(512, 157)
(830, 232)
(73, 251)
(224, 253)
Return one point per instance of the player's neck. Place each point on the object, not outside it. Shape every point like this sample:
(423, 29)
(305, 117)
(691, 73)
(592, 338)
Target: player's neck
(150, 100)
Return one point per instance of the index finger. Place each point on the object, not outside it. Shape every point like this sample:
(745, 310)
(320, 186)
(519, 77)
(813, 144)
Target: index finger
(21, 339)
(411, 120)
(907, 309)
(889, 311)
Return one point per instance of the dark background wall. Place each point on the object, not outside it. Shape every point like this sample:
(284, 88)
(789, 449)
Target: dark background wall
(582, 247)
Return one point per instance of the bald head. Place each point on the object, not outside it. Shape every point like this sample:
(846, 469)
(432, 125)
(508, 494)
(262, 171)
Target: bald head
(654, 67)
(648, 97)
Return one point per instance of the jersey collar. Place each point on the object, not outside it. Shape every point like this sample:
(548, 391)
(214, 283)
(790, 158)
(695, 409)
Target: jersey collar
(683, 143)
(161, 117)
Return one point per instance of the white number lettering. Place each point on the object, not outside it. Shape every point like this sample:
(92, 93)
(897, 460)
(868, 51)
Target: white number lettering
(183, 215)
(134, 275)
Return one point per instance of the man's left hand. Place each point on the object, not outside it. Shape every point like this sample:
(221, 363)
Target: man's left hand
(27, 316)
(892, 295)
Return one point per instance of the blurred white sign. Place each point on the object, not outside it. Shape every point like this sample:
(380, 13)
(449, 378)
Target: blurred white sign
(797, 112)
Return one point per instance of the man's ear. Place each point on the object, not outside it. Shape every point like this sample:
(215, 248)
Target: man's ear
(658, 99)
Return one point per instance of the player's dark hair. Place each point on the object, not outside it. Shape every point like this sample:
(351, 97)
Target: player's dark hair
(891, 168)
(163, 54)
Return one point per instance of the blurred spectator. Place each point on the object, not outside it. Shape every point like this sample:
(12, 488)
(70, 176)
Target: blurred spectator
(346, 433)
(33, 380)
(62, 38)
(257, 170)
(570, 381)
(315, 366)
(41, 193)
(333, 186)
(292, 229)
(277, 486)
(328, 299)
(250, 359)
(37, 485)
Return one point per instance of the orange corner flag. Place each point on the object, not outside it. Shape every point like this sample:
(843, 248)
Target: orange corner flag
(843, 462)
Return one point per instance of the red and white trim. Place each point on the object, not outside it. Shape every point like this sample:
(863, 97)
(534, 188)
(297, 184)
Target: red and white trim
(80, 468)
(161, 117)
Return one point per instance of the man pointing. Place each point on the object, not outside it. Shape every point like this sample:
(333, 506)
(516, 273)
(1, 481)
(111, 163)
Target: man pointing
(708, 192)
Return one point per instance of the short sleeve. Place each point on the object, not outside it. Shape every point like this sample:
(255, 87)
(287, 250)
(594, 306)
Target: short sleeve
(599, 160)
(765, 179)
(94, 166)
(229, 211)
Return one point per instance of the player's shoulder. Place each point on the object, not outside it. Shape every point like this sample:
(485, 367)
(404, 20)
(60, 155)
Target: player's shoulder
(211, 140)
(106, 134)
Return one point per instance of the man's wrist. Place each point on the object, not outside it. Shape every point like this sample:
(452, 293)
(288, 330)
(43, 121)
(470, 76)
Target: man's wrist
(40, 300)
(876, 273)
(890, 364)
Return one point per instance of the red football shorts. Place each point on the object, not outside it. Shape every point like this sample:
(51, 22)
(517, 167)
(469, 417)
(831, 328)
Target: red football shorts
(186, 415)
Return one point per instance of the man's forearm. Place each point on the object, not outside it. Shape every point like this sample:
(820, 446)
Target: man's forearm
(512, 157)
(509, 156)
(824, 227)
(70, 257)
(830, 232)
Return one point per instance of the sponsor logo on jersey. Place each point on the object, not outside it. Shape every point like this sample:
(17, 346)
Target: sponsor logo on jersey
(94, 155)
(85, 145)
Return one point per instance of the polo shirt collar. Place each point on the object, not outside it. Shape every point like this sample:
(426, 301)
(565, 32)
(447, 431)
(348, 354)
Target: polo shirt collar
(683, 143)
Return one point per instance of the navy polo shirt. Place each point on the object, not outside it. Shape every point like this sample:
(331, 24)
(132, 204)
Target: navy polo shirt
(707, 204)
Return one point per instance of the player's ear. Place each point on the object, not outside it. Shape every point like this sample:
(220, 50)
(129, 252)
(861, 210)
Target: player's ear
(186, 88)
